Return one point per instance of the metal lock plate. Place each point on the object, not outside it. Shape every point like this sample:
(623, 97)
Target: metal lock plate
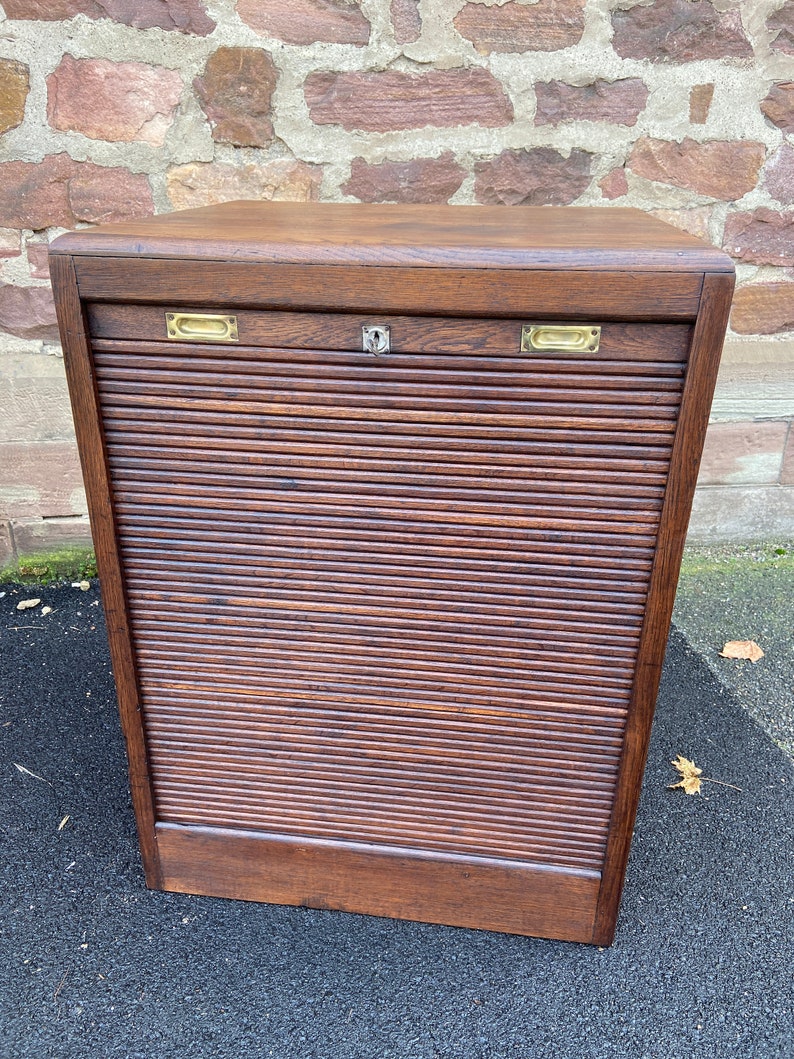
(375, 338)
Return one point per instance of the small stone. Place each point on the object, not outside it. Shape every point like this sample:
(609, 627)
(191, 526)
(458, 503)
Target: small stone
(38, 260)
(420, 180)
(722, 169)
(28, 312)
(48, 610)
(187, 16)
(618, 102)
(694, 221)
(547, 25)
(84, 585)
(614, 184)
(779, 177)
(28, 604)
(538, 176)
(207, 183)
(763, 308)
(778, 105)
(392, 100)
(235, 92)
(679, 31)
(760, 237)
(306, 21)
(14, 87)
(406, 20)
(59, 192)
(700, 97)
(781, 26)
(116, 101)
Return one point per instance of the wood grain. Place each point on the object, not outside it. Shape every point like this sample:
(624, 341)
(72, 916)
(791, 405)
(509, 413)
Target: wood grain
(396, 624)
(225, 285)
(489, 894)
(479, 237)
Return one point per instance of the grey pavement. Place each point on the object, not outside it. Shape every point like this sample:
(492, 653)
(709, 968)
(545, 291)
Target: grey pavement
(95, 965)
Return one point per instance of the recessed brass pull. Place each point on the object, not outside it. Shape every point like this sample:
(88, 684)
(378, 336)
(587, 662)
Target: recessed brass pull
(200, 327)
(560, 338)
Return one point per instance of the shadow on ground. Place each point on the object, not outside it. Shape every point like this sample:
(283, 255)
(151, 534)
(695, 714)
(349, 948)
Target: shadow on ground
(96, 965)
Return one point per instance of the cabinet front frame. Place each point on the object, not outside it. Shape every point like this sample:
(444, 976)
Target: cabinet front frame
(587, 909)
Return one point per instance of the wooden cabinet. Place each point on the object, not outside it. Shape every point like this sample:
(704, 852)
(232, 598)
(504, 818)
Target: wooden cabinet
(389, 506)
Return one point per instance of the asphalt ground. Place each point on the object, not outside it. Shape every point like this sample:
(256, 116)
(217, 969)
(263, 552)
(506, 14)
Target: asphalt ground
(95, 965)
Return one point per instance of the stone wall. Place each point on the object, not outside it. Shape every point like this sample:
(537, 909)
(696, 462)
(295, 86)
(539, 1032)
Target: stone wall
(118, 108)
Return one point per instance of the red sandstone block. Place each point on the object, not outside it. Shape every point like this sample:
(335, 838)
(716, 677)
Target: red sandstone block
(187, 16)
(306, 21)
(616, 102)
(117, 101)
(539, 176)
(235, 92)
(722, 169)
(743, 453)
(28, 312)
(59, 192)
(420, 180)
(406, 20)
(679, 31)
(763, 309)
(761, 237)
(547, 25)
(33, 536)
(14, 86)
(390, 100)
(40, 479)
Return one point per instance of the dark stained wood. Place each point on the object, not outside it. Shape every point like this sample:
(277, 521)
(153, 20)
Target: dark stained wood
(684, 465)
(396, 623)
(88, 428)
(478, 237)
(490, 894)
(492, 293)
(409, 334)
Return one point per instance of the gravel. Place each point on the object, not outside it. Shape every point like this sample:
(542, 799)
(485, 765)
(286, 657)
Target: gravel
(95, 965)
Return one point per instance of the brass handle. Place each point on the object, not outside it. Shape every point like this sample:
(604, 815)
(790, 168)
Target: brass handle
(200, 327)
(560, 338)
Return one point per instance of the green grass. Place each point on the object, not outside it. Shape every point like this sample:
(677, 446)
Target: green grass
(66, 564)
(737, 559)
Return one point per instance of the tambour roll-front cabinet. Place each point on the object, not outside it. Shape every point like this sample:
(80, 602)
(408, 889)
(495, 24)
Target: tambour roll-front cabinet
(389, 504)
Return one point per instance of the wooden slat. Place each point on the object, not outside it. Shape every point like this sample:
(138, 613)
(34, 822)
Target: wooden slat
(388, 881)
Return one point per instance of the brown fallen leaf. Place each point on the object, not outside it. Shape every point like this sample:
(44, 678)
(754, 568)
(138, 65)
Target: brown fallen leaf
(690, 775)
(26, 604)
(742, 649)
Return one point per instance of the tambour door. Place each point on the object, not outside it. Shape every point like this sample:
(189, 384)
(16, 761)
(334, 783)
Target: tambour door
(385, 611)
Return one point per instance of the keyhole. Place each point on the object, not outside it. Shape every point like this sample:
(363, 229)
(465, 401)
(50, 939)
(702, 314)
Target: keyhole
(376, 338)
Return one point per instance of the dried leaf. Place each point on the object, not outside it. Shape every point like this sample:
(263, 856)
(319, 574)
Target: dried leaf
(690, 775)
(63, 823)
(742, 649)
(46, 610)
(26, 604)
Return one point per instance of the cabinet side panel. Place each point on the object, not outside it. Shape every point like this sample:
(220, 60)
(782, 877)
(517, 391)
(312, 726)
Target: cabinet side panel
(88, 428)
(699, 385)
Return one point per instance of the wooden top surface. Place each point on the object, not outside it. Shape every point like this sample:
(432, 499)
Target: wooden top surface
(419, 236)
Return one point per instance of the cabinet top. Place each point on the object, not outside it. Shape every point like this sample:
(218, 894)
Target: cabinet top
(515, 237)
